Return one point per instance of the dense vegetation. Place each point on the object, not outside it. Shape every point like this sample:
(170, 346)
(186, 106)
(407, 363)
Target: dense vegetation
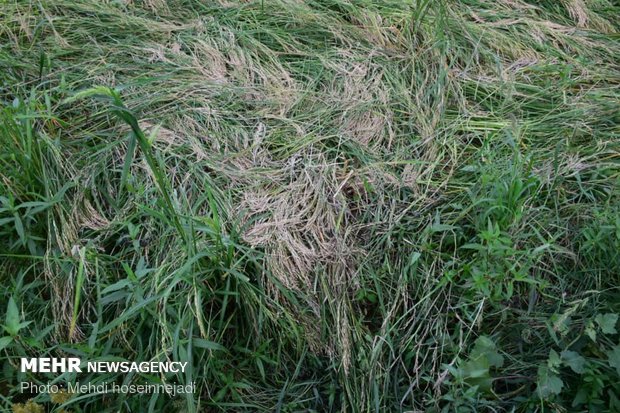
(322, 205)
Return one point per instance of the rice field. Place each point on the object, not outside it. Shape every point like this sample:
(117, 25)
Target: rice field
(319, 206)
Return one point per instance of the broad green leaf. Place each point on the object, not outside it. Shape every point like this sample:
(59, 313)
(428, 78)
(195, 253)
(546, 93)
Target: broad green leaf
(548, 383)
(607, 322)
(486, 347)
(614, 358)
(573, 360)
(483, 356)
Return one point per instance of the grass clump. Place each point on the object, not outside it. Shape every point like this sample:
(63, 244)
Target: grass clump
(321, 205)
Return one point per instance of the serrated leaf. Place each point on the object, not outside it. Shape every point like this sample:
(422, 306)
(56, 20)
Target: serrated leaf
(483, 356)
(607, 322)
(485, 347)
(495, 359)
(476, 374)
(574, 360)
(478, 368)
(613, 358)
(548, 383)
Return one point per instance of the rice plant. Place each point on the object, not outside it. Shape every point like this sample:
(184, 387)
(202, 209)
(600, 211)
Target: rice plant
(320, 206)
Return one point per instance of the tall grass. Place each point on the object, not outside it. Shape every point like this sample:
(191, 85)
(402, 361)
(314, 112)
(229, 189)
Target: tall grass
(320, 205)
